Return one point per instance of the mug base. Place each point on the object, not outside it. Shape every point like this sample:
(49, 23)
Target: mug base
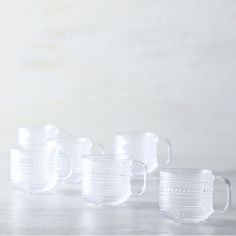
(193, 220)
(105, 203)
(34, 188)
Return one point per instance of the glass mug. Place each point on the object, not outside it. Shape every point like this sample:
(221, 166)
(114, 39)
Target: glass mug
(38, 134)
(74, 148)
(106, 180)
(34, 169)
(141, 147)
(186, 195)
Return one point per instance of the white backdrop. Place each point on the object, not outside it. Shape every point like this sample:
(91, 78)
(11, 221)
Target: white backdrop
(101, 67)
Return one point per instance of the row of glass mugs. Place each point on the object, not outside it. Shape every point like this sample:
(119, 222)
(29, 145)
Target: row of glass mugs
(185, 195)
(46, 155)
(36, 144)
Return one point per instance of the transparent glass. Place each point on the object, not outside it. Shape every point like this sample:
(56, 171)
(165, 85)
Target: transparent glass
(141, 147)
(75, 149)
(106, 180)
(34, 169)
(186, 195)
(38, 134)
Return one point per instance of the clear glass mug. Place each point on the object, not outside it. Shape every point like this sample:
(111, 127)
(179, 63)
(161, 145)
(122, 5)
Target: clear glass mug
(186, 195)
(34, 169)
(106, 179)
(141, 147)
(38, 134)
(74, 148)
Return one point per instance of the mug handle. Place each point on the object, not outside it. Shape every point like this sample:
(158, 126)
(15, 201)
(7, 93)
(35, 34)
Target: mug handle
(144, 178)
(100, 147)
(169, 150)
(228, 202)
(68, 175)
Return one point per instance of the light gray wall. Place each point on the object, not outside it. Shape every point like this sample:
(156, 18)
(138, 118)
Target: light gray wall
(108, 66)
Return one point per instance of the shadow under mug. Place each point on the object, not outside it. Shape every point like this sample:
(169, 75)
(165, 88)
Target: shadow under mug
(186, 195)
(34, 169)
(106, 180)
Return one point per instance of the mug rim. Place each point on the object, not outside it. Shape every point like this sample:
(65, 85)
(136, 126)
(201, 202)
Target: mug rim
(136, 134)
(43, 126)
(50, 145)
(29, 134)
(71, 141)
(180, 171)
(106, 158)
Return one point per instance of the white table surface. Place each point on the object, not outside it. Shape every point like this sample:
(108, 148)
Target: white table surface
(64, 212)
